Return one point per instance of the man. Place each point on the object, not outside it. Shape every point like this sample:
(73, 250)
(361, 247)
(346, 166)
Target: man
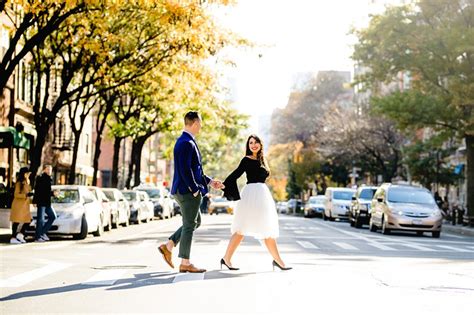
(42, 199)
(189, 185)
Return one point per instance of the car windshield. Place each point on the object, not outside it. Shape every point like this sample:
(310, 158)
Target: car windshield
(66, 196)
(316, 200)
(110, 195)
(153, 193)
(403, 195)
(367, 193)
(130, 196)
(343, 195)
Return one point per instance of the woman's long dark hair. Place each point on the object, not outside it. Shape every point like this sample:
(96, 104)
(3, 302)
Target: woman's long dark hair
(21, 177)
(260, 155)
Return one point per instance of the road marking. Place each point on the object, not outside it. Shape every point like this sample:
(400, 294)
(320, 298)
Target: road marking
(223, 243)
(188, 277)
(345, 245)
(24, 278)
(306, 244)
(456, 249)
(299, 232)
(471, 247)
(380, 246)
(453, 236)
(146, 243)
(52, 246)
(105, 277)
(419, 247)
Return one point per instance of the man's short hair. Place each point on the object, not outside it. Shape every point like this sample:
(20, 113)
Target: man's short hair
(191, 117)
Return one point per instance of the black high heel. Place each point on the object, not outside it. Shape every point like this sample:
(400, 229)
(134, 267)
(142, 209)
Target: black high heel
(229, 267)
(275, 264)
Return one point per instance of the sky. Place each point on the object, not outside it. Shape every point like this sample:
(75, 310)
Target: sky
(292, 36)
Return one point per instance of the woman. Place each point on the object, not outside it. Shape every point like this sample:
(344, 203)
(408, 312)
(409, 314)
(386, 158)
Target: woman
(255, 214)
(20, 212)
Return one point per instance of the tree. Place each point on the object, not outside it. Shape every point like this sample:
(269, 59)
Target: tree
(432, 41)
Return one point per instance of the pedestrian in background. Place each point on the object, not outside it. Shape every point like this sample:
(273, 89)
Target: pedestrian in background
(20, 209)
(42, 199)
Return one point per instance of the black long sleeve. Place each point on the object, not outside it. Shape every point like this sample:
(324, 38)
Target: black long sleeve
(255, 171)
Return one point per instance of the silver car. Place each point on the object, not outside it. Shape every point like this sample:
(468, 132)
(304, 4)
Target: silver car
(405, 208)
(119, 208)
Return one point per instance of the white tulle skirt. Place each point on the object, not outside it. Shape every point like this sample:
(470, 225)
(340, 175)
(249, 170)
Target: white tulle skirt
(255, 213)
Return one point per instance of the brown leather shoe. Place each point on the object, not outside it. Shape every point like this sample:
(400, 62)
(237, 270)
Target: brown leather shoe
(166, 255)
(190, 268)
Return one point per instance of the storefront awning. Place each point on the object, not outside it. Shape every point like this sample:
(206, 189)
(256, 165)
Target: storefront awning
(10, 137)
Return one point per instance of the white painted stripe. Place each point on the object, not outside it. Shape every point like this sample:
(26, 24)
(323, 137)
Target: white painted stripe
(380, 246)
(52, 246)
(345, 245)
(456, 249)
(419, 247)
(24, 278)
(306, 244)
(300, 232)
(223, 243)
(188, 277)
(471, 247)
(105, 277)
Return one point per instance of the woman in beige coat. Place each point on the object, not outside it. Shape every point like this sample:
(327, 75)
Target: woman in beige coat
(20, 213)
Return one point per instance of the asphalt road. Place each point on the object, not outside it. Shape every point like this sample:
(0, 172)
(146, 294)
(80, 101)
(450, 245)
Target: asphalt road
(336, 269)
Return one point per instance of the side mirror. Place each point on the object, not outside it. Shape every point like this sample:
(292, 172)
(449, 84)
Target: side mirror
(380, 199)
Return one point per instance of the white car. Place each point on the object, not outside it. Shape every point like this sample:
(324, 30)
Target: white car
(147, 207)
(79, 213)
(138, 208)
(120, 209)
(106, 206)
(338, 203)
(163, 205)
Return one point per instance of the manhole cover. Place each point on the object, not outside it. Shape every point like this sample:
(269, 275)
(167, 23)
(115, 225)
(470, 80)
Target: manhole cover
(120, 267)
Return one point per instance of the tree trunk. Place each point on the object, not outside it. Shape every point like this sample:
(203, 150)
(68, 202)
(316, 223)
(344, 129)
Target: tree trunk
(72, 171)
(470, 176)
(138, 152)
(100, 126)
(131, 165)
(115, 163)
(37, 151)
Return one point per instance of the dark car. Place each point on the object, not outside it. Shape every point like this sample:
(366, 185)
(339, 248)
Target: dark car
(359, 212)
(294, 206)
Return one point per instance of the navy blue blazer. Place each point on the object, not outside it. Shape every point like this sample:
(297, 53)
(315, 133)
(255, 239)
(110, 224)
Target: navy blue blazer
(188, 173)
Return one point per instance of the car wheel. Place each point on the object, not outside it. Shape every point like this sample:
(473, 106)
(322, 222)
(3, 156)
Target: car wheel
(419, 233)
(100, 227)
(436, 234)
(108, 227)
(357, 223)
(83, 234)
(385, 229)
(330, 217)
(325, 218)
(372, 226)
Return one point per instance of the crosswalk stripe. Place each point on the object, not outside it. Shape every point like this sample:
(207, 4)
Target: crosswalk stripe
(380, 246)
(299, 232)
(306, 244)
(222, 243)
(456, 249)
(105, 277)
(29, 276)
(419, 247)
(345, 245)
(471, 247)
(188, 277)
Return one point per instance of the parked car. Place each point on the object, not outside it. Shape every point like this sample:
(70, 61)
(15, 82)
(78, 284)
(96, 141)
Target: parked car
(294, 206)
(176, 206)
(405, 208)
(314, 206)
(282, 206)
(359, 212)
(220, 205)
(119, 207)
(137, 208)
(147, 207)
(106, 206)
(161, 198)
(79, 213)
(338, 202)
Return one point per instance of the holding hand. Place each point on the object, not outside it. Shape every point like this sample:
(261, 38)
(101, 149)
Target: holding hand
(217, 184)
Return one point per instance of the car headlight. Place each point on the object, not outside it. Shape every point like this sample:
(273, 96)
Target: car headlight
(436, 213)
(396, 212)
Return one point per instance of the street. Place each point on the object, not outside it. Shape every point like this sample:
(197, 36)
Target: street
(336, 269)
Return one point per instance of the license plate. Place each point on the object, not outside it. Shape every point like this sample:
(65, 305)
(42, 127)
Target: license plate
(419, 222)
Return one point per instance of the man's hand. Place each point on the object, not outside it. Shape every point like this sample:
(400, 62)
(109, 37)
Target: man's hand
(196, 193)
(217, 184)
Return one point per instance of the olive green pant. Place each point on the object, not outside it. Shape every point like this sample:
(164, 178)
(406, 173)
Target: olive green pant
(191, 221)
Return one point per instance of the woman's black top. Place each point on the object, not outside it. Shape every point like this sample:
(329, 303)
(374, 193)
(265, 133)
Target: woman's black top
(256, 173)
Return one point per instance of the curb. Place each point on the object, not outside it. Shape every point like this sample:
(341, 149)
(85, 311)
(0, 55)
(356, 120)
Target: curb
(462, 230)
